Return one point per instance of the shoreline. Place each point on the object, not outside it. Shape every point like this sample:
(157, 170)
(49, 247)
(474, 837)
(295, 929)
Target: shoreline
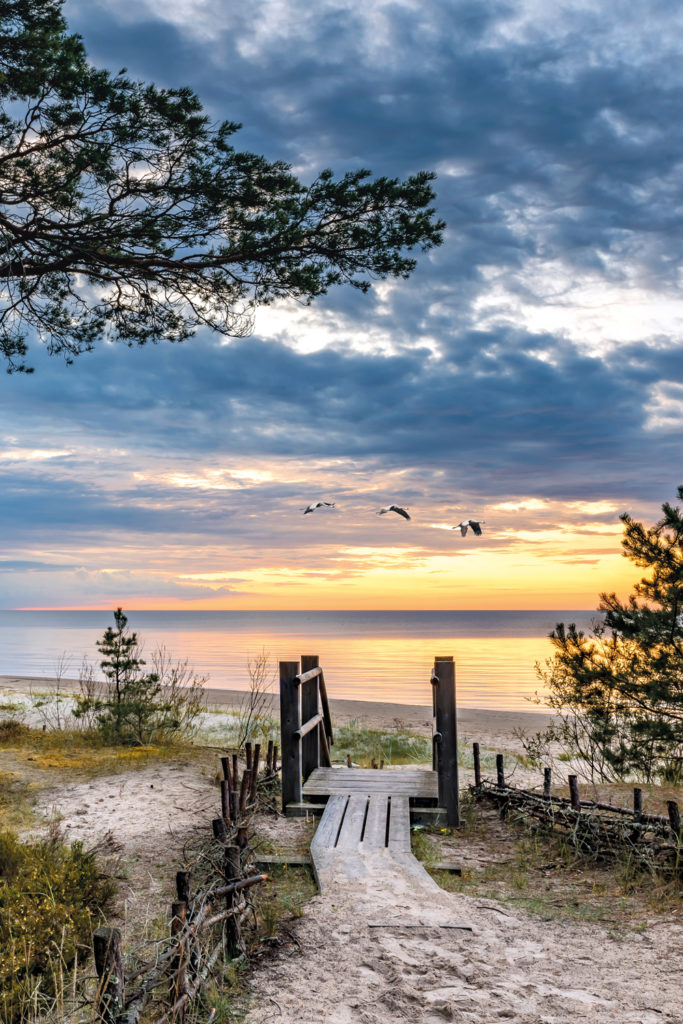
(488, 725)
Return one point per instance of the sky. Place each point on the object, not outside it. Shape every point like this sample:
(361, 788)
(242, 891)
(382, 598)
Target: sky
(528, 374)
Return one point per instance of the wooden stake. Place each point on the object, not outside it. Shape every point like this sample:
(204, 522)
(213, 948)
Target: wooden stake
(244, 789)
(110, 995)
(178, 972)
(574, 792)
(275, 758)
(235, 772)
(225, 761)
(500, 771)
(674, 818)
(183, 885)
(254, 773)
(547, 782)
(247, 754)
(637, 803)
(220, 831)
(477, 764)
(269, 757)
(225, 799)
(232, 873)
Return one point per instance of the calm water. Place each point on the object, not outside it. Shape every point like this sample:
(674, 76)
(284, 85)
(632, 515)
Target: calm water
(366, 655)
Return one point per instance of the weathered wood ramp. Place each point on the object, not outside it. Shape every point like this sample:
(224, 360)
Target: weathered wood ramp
(364, 831)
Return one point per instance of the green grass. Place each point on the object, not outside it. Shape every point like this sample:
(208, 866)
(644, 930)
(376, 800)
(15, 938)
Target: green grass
(392, 747)
(542, 874)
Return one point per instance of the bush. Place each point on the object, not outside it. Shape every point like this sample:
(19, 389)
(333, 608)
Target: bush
(49, 895)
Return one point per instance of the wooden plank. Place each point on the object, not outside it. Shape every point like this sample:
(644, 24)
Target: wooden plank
(375, 835)
(307, 674)
(399, 823)
(304, 810)
(352, 826)
(317, 789)
(330, 824)
(279, 859)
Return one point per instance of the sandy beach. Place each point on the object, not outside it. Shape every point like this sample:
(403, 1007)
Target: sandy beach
(493, 729)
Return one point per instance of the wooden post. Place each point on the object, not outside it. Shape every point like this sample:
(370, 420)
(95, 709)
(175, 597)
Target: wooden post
(500, 771)
(275, 767)
(477, 764)
(574, 792)
(225, 762)
(269, 757)
(235, 772)
(254, 773)
(225, 799)
(310, 706)
(674, 818)
(109, 967)
(220, 831)
(637, 803)
(244, 789)
(232, 874)
(547, 782)
(183, 885)
(234, 801)
(178, 972)
(446, 725)
(290, 723)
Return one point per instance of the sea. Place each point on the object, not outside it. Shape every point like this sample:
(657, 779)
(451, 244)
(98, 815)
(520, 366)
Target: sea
(366, 655)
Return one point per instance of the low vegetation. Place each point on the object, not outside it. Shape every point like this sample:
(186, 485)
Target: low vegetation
(513, 862)
(51, 897)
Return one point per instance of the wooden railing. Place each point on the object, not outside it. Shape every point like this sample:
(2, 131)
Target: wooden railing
(306, 725)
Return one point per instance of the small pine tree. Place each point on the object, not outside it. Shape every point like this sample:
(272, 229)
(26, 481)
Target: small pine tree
(619, 691)
(134, 706)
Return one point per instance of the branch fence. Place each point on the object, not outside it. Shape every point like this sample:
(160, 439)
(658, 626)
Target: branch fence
(602, 830)
(206, 925)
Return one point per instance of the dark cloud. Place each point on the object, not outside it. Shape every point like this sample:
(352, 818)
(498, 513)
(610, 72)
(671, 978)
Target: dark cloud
(558, 143)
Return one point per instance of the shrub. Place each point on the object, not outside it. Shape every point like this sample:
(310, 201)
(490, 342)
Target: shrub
(49, 894)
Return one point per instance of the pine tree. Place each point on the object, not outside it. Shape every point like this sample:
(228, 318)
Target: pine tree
(619, 690)
(132, 695)
(127, 214)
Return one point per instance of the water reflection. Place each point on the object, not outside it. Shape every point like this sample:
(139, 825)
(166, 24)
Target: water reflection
(491, 672)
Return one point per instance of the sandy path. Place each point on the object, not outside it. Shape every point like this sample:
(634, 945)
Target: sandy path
(150, 813)
(510, 967)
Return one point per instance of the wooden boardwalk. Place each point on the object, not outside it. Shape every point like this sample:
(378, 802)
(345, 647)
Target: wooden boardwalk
(365, 828)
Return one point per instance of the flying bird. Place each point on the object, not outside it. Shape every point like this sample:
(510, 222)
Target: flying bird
(393, 508)
(317, 504)
(474, 523)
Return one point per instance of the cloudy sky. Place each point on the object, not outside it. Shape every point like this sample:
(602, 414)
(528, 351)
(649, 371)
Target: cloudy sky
(530, 373)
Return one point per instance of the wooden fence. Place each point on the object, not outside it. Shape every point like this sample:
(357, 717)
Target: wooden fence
(205, 925)
(306, 731)
(597, 828)
(306, 725)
